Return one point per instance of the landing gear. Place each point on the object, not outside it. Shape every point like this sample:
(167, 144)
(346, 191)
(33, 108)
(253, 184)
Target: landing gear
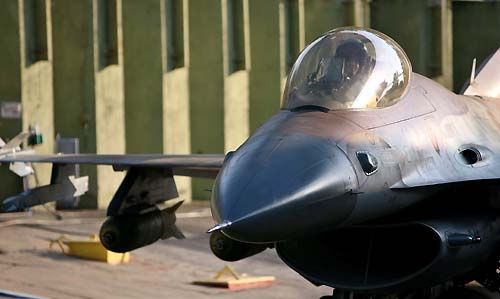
(343, 294)
(470, 291)
(488, 274)
(347, 294)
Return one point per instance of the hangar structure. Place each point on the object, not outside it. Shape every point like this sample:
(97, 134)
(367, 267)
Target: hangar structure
(193, 76)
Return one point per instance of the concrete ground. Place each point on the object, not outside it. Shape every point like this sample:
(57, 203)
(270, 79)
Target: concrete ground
(162, 270)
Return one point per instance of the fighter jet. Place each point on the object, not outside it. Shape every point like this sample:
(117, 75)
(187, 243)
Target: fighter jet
(372, 179)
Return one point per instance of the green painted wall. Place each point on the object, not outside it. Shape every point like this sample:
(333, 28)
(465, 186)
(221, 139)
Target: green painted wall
(37, 89)
(423, 29)
(175, 62)
(142, 66)
(321, 16)
(206, 85)
(476, 34)
(411, 30)
(264, 76)
(138, 104)
(236, 81)
(10, 85)
(109, 99)
(74, 88)
(418, 26)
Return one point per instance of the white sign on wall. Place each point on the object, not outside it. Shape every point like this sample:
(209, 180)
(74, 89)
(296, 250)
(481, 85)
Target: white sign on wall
(11, 110)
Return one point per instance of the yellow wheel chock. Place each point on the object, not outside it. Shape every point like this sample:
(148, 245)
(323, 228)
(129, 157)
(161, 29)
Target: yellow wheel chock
(91, 249)
(236, 281)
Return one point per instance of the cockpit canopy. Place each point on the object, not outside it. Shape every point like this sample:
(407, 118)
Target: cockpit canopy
(348, 68)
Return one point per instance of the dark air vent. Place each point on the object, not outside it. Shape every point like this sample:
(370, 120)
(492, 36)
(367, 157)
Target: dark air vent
(368, 162)
(470, 156)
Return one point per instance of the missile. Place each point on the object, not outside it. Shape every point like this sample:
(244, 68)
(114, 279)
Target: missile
(124, 233)
(231, 250)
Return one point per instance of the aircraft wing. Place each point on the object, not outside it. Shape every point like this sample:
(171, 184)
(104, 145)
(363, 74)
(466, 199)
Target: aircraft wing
(135, 218)
(149, 179)
(186, 165)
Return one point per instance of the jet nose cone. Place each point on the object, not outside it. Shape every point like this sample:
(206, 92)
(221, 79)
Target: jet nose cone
(277, 187)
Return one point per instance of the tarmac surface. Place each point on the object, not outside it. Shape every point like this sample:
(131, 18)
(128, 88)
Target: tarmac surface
(165, 269)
